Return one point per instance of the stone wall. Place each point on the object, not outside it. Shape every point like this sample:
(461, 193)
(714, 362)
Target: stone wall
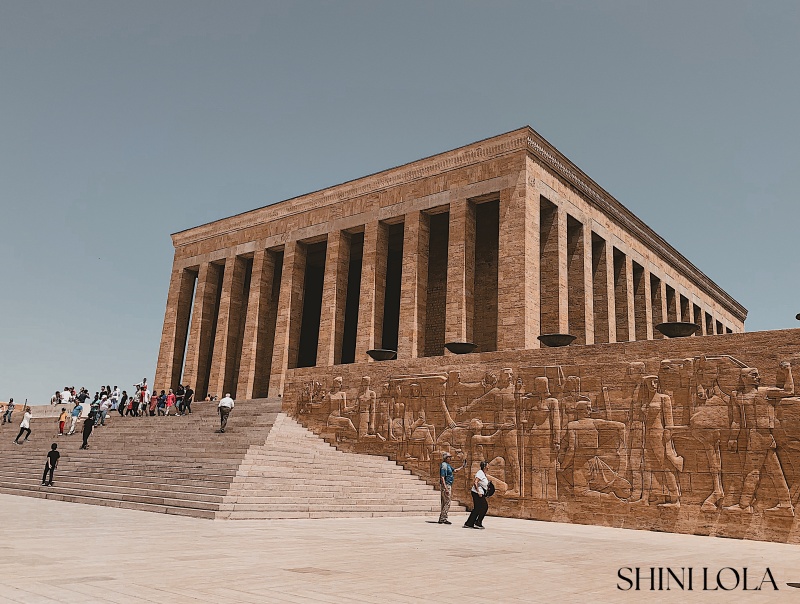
(692, 435)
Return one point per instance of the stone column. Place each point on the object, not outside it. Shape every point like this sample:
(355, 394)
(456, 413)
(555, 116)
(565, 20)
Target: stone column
(648, 304)
(229, 317)
(334, 297)
(176, 328)
(414, 286)
(460, 272)
(611, 293)
(563, 276)
(632, 335)
(259, 330)
(664, 304)
(373, 290)
(518, 287)
(588, 284)
(290, 314)
(201, 332)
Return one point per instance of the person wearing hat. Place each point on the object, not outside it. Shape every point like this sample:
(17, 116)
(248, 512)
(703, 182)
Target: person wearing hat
(446, 478)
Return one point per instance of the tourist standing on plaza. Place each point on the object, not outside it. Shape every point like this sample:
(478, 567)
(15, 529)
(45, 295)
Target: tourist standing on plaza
(480, 504)
(224, 408)
(446, 478)
(9, 410)
(62, 421)
(25, 426)
(88, 426)
(50, 466)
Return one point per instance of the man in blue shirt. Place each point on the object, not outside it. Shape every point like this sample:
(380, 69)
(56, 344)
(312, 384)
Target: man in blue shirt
(446, 477)
(76, 413)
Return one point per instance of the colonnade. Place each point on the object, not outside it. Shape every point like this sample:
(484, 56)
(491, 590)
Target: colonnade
(498, 270)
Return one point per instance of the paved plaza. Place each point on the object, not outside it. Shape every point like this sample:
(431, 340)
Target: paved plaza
(63, 552)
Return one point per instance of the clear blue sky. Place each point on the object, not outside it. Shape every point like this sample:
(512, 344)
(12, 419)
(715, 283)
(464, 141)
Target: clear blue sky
(122, 122)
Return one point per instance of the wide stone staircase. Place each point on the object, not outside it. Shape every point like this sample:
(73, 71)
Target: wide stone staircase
(264, 466)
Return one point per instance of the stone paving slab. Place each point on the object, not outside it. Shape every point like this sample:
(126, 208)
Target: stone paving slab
(62, 552)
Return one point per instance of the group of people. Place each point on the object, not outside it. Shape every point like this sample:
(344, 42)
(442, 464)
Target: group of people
(481, 491)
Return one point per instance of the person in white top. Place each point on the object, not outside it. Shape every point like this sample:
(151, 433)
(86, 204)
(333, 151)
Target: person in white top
(25, 426)
(66, 395)
(480, 504)
(224, 408)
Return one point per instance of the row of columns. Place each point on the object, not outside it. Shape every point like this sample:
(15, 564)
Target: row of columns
(554, 275)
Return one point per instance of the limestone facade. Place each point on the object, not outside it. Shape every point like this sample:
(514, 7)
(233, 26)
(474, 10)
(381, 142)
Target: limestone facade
(494, 243)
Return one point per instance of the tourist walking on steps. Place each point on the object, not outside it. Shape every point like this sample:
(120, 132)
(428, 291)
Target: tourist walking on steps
(224, 408)
(480, 504)
(50, 466)
(88, 426)
(62, 421)
(76, 413)
(169, 403)
(188, 395)
(25, 426)
(9, 411)
(446, 478)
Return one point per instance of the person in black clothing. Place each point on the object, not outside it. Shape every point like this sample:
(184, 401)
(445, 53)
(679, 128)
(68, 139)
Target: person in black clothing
(123, 402)
(88, 425)
(188, 394)
(50, 465)
(180, 391)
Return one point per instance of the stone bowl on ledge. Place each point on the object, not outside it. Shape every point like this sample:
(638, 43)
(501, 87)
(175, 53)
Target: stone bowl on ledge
(555, 340)
(461, 347)
(678, 329)
(382, 354)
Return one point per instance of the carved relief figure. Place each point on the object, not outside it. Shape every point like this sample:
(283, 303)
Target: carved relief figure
(676, 377)
(711, 421)
(541, 422)
(501, 398)
(661, 463)
(339, 411)
(754, 420)
(596, 473)
(420, 434)
(367, 403)
(635, 437)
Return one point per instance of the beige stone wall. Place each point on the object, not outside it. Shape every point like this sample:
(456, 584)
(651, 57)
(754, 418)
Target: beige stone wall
(704, 453)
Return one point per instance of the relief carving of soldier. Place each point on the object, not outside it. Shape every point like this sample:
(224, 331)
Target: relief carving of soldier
(339, 412)
(661, 462)
(502, 399)
(753, 422)
(541, 422)
(597, 468)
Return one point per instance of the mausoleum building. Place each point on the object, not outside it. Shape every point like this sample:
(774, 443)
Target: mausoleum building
(495, 243)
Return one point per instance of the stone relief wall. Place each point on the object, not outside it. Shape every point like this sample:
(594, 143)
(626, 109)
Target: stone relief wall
(635, 435)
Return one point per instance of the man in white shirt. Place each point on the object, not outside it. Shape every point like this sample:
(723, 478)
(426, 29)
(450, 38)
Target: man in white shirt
(224, 408)
(66, 395)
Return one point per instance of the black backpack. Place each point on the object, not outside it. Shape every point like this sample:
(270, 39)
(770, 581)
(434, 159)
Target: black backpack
(489, 490)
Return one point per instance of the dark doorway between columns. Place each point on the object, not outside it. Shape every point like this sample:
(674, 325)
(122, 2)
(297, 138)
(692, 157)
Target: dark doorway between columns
(394, 274)
(312, 304)
(672, 304)
(204, 364)
(621, 296)
(698, 318)
(438, 241)
(484, 308)
(232, 377)
(350, 328)
(656, 304)
(600, 289)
